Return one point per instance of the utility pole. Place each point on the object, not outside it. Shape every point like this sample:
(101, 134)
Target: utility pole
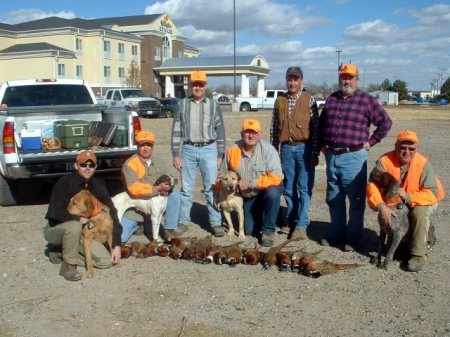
(234, 104)
(338, 59)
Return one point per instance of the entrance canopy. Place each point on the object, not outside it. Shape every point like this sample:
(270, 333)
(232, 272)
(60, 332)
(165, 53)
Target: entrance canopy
(246, 66)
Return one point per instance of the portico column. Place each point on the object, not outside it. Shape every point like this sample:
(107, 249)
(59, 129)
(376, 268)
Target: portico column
(170, 88)
(245, 86)
(260, 86)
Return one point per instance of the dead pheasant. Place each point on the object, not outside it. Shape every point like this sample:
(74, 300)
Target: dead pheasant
(252, 256)
(319, 268)
(270, 258)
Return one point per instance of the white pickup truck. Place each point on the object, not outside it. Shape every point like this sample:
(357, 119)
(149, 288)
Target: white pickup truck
(46, 123)
(254, 103)
(134, 99)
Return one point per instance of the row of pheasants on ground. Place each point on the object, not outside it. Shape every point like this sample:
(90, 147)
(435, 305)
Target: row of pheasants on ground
(204, 250)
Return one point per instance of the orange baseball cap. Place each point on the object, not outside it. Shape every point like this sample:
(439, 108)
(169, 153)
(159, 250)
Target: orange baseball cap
(251, 124)
(348, 69)
(198, 76)
(407, 135)
(145, 137)
(85, 156)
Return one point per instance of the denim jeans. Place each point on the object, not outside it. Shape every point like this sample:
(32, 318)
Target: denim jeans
(347, 177)
(130, 226)
(262, 210)
(298, 183)
(205, 159)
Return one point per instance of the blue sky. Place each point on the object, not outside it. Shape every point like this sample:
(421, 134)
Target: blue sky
(406, 40)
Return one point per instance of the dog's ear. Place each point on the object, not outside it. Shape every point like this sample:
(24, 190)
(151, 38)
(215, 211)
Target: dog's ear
(391, 185)
(237, 176)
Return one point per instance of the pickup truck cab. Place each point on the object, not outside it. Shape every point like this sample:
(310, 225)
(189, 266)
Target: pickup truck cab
(169, 106)
(254, 103)
(134, 99)
(46, 123)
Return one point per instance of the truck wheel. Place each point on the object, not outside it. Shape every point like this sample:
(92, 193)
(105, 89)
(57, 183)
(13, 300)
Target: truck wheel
(245, 107)
(6, 195)
(168, 113)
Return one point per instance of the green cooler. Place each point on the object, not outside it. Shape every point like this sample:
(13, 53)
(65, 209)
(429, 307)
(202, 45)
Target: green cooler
(72, 133)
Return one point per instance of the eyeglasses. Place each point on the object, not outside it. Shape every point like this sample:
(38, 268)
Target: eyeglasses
(198, 84)
(405, 148)
(90, 165)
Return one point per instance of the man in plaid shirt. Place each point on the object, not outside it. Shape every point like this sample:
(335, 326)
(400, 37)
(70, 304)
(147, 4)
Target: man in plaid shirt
(344, 127)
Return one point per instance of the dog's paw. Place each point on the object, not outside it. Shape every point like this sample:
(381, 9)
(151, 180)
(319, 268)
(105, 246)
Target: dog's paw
(230, 232)
(90, 274)
(241, 236)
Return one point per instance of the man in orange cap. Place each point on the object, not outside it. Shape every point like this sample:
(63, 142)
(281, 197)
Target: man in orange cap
(198, 142)
(344, 135)
(259, 168)
(64, 230)
(139, 173)
(420, 189)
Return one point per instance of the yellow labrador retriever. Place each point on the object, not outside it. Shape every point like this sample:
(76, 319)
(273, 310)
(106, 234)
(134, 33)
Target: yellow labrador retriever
(229, 200)
(99, 227)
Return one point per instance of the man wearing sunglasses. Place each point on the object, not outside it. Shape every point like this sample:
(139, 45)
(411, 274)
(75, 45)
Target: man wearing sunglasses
(420, 189)
(64, 230)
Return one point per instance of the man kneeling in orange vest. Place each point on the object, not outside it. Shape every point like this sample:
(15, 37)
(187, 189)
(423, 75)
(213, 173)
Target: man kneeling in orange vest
(420, 189)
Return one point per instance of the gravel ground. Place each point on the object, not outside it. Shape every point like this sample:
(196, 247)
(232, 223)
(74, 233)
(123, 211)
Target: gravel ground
(162, 297)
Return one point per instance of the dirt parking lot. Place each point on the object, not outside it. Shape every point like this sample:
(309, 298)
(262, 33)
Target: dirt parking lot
(164, 298)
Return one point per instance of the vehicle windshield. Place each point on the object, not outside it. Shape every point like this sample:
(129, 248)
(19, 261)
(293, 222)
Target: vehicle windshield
(51, 94)
(133, 93)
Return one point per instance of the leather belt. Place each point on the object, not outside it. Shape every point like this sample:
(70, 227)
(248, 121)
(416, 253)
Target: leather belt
(292, 143)
(341, 150)
(201, 144)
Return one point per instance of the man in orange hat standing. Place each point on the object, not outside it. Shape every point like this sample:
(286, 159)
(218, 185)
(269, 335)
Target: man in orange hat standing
(259, 167)
(64, 230)
(139, 173)
(198, 142)
(420, 189)
(344, 135)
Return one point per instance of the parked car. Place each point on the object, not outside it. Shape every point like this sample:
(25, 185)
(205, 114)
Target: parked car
(169, 106)
(223, 99)
(266, 102)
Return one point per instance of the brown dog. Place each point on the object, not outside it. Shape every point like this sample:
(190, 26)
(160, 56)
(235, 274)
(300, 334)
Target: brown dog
(399, 224)
(99, 227)
(229, 200)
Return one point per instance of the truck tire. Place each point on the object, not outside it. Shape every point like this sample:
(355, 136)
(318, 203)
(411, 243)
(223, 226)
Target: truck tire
(6, 192)
(245, 107)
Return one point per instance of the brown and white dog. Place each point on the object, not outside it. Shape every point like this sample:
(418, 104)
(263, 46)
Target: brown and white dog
(229, 200)
(154, 206)
(99, 227)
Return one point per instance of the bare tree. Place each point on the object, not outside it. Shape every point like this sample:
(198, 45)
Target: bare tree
(133, 77)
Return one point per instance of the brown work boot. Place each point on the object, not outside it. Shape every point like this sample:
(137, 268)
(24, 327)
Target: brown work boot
(415, 263)
(299, 234)
(69, 272)
(218, 231)
(267, 240)
(182, 228)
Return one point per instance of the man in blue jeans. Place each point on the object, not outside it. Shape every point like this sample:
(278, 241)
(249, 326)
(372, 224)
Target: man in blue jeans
(139, 173)
(294, 131)
(198, 142)
(344, 127)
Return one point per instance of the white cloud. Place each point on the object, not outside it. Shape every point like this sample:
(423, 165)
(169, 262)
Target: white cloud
(30, 14)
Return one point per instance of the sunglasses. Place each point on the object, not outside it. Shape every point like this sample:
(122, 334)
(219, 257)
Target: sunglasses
(90, 165)
(405, 148)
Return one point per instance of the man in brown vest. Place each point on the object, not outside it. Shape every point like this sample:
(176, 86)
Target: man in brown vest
(294, 133)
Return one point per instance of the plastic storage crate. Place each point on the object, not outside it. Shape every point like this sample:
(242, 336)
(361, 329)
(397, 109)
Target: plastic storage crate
(72, 133)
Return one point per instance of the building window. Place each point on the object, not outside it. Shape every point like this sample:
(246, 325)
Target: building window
(121, 75)
(78, 45)
(134, 53)
(158, 54)
(166, 48)
(121, 50)
(61, 70)
(107, 74)
(107, 49)
(79, 71)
